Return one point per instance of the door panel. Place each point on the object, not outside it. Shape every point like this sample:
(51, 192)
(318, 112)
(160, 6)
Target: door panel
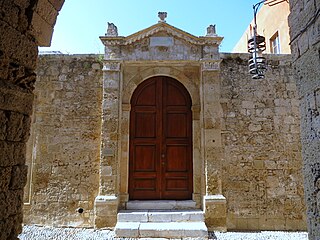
(177, 125)
(160, 158)
(147, 95)
(147, 125)
(174, 96)
(176, 184)
(176, 155)
(145, 185)
(146, 158)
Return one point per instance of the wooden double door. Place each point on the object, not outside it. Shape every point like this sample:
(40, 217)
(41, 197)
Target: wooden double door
(160, 158)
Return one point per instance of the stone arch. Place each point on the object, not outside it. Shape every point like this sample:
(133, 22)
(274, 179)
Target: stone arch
(188, 83)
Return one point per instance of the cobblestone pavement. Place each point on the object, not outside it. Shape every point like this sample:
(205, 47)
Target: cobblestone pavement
(51, 233)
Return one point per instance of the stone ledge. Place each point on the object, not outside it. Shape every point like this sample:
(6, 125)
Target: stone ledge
(163, 204)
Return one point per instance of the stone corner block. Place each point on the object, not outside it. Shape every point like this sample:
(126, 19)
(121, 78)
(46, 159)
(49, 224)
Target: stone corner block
(106, 210)
(215, 208)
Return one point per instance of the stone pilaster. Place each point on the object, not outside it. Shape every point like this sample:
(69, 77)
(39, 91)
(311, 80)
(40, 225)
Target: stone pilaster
(124, 165)
(106, 204)
(110, 128)
(212, 115)
(214, 202)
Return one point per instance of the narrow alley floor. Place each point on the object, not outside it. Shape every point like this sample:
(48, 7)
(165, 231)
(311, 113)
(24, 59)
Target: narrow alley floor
(52, 233)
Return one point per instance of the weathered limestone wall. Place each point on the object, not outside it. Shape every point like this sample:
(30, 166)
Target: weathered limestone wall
(261, 167)
(20, 31)
(304, 25)
(65, 142)
(254, 155)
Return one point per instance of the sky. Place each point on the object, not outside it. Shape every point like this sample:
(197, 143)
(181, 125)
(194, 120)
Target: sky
(81, 22)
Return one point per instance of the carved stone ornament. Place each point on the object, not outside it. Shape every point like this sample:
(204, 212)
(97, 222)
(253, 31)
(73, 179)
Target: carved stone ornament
(211, 66)
(211, 31)
(172, 31)
(162, 16)
(112, 30)
(111, 66)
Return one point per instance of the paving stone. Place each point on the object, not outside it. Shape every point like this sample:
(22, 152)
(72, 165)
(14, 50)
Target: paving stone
(37, 232)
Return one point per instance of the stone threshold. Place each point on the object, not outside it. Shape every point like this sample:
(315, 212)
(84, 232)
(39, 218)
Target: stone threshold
(160, 216)
(160, 205)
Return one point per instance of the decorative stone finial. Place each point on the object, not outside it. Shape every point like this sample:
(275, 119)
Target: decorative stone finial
(211, 31)
(162, 16)
(112, 30)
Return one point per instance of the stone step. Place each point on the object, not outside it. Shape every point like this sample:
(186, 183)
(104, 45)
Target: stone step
(194, 230)
(160, 205)
(160, 216)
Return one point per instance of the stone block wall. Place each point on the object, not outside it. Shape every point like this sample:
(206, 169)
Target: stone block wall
(19, 37)
(304, 25)
(18, 53)
(259, 163)
(65, 141)
(24, 24)
(261, 167)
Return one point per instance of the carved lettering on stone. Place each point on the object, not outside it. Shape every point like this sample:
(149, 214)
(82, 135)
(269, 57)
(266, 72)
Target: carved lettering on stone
(161, 41)
(111, 66)
(210, 66)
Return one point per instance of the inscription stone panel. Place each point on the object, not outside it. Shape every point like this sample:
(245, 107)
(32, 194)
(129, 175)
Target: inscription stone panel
(161, 41)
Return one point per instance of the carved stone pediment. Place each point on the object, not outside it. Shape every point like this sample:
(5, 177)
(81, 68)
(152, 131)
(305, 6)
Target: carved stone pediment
(162, 27)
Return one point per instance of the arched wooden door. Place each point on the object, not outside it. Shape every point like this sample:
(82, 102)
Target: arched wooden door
(160, 165)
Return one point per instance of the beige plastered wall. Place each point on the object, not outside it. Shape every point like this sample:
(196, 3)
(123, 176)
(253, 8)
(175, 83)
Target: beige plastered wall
(270, 19)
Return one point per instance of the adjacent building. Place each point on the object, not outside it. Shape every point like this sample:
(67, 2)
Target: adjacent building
(272, 22)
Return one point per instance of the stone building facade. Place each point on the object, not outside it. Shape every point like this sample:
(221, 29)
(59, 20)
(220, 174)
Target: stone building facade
(244, 142)
(24, 25)
(304, 24)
